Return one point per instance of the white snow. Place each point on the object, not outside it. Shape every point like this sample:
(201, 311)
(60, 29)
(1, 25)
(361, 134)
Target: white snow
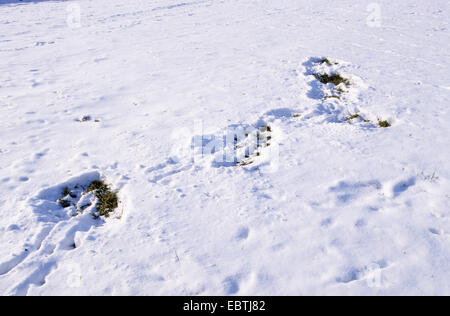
(330, 207)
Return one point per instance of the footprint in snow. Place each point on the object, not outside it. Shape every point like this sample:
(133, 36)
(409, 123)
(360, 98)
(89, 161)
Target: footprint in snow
(231, 285)
(242, 233)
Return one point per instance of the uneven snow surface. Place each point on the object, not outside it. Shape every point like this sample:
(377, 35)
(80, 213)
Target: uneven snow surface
(142, 93)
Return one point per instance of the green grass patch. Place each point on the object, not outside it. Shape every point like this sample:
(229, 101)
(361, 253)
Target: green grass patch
(265, 129)
(352, 117)
(384, 123)
(325, 61)
(263, 136)
(335, 79)
(85, 118)
(64, 203)
(65, 192)
(108, 200)
(332, 97)
(244, 163)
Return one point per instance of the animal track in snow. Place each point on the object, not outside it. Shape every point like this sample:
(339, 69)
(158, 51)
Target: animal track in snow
(396, 188)
(435, 231)
(166, 169)
(231, 285)
(242, 233)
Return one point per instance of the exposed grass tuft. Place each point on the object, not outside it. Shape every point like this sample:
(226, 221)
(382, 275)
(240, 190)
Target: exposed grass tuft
(97, 185)
(325, 61)
(244, 163)
(65, 192)
(383, 123)
(332, 97)
(335, 79)
(64, 203)
(253, 147)
(430, 177)
(108, 200)
(265, 129)
(85, 118)
(352, 117)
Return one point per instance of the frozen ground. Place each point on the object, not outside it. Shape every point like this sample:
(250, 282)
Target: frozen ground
(332, 207)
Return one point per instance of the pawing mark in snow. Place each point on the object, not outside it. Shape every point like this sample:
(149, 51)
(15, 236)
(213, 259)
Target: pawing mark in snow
(330, 105)
(60, 227)
(316, 91)
(46, 205)
(337, 93)
(240, 144)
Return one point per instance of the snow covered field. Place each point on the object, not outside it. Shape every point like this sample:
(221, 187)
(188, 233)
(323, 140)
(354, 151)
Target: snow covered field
(137, 92)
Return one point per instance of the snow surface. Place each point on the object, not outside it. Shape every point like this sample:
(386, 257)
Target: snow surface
(345, 207)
